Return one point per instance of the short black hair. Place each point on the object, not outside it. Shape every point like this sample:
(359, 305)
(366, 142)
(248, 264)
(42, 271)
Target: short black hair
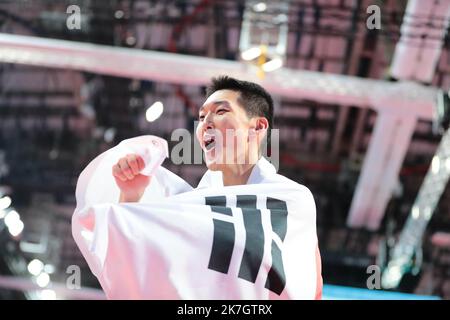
(255, 100)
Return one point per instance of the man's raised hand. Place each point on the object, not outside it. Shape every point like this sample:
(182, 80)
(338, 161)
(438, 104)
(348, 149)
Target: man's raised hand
(131, 183)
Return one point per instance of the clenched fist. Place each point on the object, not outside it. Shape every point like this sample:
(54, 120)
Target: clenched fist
(131, 183)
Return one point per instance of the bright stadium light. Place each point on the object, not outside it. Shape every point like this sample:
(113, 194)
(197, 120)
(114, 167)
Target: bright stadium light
(5, 202)
(272, 65)
(154, 111)
(119, 14)
(13, 222)
(43, 280)
(11, 217)
(260, 7)
(16, 228)
(35, 267)
(264, 34)
(251, 53)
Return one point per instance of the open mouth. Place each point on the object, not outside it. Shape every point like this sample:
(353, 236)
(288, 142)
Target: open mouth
(210, 143)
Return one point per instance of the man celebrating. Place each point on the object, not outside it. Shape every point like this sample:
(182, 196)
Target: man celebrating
(245, 232)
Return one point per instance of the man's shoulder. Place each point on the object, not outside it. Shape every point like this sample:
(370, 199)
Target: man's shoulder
(294, 185)
(299, 198)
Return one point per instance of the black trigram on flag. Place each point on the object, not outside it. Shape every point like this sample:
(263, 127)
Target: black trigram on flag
(224, 239)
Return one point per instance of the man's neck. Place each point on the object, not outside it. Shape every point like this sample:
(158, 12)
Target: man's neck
(237, 174)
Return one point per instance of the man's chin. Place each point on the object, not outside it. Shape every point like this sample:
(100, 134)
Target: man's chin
(212, 164)
(212, 160)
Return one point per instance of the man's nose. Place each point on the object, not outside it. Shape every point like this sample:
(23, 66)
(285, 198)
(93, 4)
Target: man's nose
(209, 124)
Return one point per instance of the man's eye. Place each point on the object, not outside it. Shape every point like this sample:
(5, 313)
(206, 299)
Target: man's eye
(201, 118)
(221, 111)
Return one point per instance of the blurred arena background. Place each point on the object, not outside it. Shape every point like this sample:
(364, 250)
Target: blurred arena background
(361, 92)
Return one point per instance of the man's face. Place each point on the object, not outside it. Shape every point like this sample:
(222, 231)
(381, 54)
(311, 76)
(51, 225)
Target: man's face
(225, 132)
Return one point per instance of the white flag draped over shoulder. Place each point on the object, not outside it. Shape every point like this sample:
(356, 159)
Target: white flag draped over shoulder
(254, 241)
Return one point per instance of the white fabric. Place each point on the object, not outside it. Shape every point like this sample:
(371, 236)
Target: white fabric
(162, 247)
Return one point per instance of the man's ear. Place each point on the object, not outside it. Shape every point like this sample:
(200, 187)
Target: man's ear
(261, 124)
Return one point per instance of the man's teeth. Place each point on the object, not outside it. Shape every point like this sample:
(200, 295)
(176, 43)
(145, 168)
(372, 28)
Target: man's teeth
(209, 144)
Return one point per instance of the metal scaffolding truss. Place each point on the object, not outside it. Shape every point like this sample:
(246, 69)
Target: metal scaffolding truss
(409, 63)
(403, 98)
(393, 130)
(410, 239)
